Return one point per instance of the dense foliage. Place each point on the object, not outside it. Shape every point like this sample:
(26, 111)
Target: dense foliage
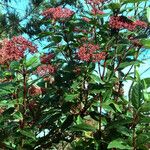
(71, 95)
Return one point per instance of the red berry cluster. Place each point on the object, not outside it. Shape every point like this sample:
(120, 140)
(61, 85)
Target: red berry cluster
(46, 58)
(86, 19)
(45, 69)
(58, 13)
(14, 49)
(34, 90)
(95, 2)
(140, 23)
(88, 52)
(96, 11)
(121, 22)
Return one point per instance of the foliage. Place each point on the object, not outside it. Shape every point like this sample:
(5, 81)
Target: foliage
(59, 100)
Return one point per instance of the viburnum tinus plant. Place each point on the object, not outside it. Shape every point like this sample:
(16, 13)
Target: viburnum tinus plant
(73, 95)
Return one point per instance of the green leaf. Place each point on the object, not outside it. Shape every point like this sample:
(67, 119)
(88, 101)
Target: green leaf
(146, 96)
(143, 139)
(145, 107)
(96, 78)
(71, 97)
(79, 120)
(9, 145)
(12, 103)
(144, 120)
(146, 82)
(57, 39)
(132, 1)
(14, 65)
(119, 144)
(148, 14)
(52, 116)
(145, 43)
(121, 122)
(123, 130)
(28, 133)
(117, 107)
(9, 111)
(114, 6)
(83, 127)
(18, 116)
(32, 61)
(44, 34)
(49, 45)
(137, 95)
(126, 64)
(67, 122)
(94, 115)
(109, 105)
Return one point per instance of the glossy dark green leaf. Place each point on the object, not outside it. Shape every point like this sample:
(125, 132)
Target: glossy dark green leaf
(71, 97)
(148, 14)
(145, 107)
(144, 119)
(57, 39)
(50, 117)
(137, 95)
(32, 61)
(94, 115)
(68, 122)
(18, 116)
(83, 127)
(28, 133)
(9, 111)
(126, 64)
(133, 1)
(143, 138)
(114, 6)
(14, 65)
(145, 42)
(119, 144)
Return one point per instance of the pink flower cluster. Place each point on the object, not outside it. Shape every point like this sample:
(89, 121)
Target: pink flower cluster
(86, 19)
(78, 30)
(45, 70)
(120, 22)
(140, 23)
(134, 41)
(88, 52)
(14, 49)
(46, 58)
(96, 11)
(58, 13)
(35, 90)
(95, 2)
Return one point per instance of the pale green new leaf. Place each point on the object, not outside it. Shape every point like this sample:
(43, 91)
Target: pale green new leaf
(119, 144)
(148, 14)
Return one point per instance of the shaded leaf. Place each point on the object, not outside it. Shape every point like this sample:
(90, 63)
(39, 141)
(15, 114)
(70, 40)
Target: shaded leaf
(132, 1)
(28, 133)
(119, 144)
(145, 107)
(145, 42)
(83, 127)
(67, 122)
(148, 14)
(137, 95)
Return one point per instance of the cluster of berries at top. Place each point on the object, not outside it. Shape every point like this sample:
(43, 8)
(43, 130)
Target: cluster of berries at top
(45, 68)
(14, 49)
(58, 13)
(89, 52)
(122, 22)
